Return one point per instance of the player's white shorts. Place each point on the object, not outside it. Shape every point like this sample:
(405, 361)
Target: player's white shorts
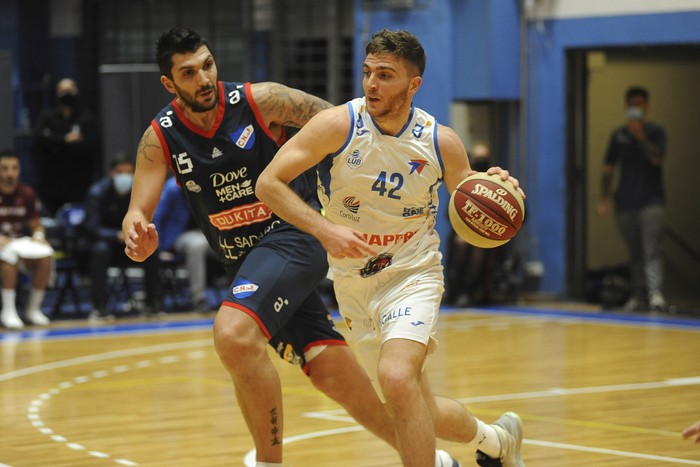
(390, 305)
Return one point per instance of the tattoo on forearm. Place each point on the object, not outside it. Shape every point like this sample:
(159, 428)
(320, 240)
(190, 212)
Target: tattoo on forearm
(294, 107)
(275, 428)
(144, 145)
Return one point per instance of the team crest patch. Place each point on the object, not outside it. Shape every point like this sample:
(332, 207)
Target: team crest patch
(243, 137)
(354, 160)
(243, 289)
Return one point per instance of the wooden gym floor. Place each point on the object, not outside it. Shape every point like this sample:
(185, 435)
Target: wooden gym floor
(593, 389)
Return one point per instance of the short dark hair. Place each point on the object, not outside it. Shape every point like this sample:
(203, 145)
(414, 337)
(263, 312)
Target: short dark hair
(400, 43)
(120, 157)
(8, 152)
(635, 91)
(176, 41)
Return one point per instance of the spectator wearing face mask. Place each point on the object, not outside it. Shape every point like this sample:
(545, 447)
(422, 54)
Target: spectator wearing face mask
(105, 206)
(637, 150)
(66, 149)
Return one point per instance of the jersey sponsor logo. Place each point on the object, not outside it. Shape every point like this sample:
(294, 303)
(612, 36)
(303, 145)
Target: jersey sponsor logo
(239, 216)
(235, 189)
(216, 152)
(354, 160)
(388, 239)
(236, 247)
(243, 137)
(417, 165)
(243, 289)
(352, 204)
(376, 264)
(393, 315)
(192, 186)
(13, 211)
(413, 213)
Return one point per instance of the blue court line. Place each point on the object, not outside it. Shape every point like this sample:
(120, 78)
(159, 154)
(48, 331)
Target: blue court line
(656, 320)
(90, 330)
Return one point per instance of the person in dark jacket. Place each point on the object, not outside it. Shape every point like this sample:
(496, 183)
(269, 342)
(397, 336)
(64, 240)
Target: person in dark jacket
(106, 204)
(67, 154)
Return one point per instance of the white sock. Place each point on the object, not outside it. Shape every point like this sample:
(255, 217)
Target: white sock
(443, 459)
(267, 464)
(486, 440)
(35, 299)
(9, 297)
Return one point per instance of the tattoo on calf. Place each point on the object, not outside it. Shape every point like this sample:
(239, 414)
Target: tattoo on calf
(275, 428)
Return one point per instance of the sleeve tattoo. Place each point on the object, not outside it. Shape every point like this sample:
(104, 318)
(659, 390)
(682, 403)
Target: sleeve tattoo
(290, 107)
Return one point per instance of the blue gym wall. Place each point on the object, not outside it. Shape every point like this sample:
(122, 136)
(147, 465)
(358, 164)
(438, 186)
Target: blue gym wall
(546, 114)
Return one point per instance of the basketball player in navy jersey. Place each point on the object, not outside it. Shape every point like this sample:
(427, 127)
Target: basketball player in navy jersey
(217, 137)
(380, 161)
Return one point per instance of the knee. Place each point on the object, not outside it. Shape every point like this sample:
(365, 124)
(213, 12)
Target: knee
(237, 338)
(398, 384)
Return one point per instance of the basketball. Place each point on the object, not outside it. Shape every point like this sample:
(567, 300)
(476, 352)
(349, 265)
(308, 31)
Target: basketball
(485, 211)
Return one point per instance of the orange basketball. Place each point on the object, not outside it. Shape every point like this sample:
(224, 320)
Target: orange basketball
(485, 211)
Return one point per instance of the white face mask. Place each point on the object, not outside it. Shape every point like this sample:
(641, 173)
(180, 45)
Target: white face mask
(123, 182)
(634, 113)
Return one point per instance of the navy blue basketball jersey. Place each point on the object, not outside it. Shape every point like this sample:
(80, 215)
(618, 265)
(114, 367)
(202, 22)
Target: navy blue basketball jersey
(218, 169)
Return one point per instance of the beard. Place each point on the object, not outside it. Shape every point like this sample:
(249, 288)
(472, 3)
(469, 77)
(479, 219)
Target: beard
(388, 106)
(191, 101)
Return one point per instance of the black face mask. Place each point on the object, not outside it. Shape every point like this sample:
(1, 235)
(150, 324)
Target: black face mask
(481, 164)
(69, 100)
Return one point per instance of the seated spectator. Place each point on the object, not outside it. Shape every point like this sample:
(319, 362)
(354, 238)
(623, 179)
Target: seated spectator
(178, 233)
(19, 213)
(105, 206)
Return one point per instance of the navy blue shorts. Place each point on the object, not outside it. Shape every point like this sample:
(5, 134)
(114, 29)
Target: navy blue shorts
(276, 285)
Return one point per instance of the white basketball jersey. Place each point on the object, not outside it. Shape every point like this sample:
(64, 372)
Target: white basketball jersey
(385, 186)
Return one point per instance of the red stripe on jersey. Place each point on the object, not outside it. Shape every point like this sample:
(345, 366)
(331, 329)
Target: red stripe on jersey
(219, 115)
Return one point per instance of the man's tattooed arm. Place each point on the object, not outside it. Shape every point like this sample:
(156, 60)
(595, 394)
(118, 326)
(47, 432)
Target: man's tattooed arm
(282, 105)
(149, 149)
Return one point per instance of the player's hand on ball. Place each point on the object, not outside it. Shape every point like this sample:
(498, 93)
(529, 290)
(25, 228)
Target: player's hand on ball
(505, 176)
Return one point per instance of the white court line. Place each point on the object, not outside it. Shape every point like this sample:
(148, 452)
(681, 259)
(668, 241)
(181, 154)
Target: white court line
(689, 381)
(91, 359)
(612, 452)
(103, 356)
(336, 415)
(249, 458)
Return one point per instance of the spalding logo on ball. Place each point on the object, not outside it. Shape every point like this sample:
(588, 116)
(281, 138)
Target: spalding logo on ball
(485, 211)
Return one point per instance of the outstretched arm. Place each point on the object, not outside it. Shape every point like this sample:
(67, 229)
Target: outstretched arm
(140, 233)
(323, 135)
(281, 105)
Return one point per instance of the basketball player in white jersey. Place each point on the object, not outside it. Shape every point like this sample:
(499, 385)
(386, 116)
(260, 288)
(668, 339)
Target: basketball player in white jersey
(380, 161)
